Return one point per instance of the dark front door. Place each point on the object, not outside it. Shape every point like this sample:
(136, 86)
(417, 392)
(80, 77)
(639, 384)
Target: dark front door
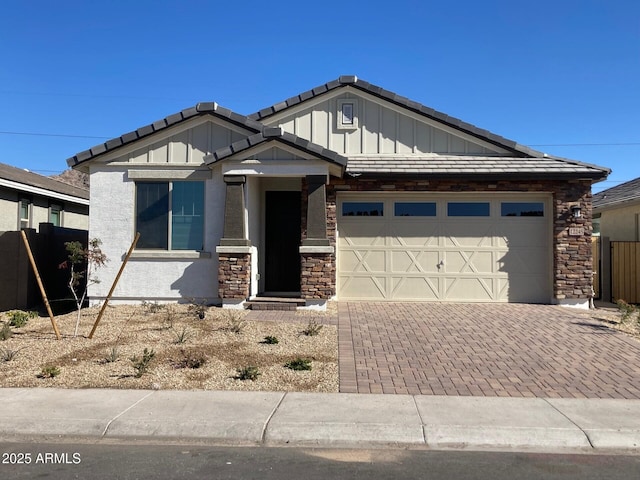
(282, 242)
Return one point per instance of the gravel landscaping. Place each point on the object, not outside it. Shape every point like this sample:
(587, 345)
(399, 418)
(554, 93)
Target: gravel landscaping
(187, 352)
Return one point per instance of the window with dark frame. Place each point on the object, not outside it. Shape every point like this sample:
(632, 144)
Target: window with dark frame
(170, 215)
(362, 209)
(468, 209)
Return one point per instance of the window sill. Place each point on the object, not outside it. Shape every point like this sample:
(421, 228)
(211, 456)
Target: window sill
(170, 254)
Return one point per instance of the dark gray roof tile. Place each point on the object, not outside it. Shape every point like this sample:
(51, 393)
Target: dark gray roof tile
(129, 137)
(159, 125)
(175, 118)
(146, 130)
(625, 192)
(206, 106)
(98, 149)
(30, 179)
(114, 142)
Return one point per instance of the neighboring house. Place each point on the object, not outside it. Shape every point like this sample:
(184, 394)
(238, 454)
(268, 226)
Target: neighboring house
(347, 191)
(28, 199)
(616, 220)
(616, 212)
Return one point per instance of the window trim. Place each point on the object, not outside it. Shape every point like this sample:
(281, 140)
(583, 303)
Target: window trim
(56, 207)
(29, 204)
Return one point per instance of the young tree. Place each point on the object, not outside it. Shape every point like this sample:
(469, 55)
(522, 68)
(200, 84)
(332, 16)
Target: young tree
(92, 258)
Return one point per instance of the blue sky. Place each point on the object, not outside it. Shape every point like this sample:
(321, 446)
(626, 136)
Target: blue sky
(562, 76)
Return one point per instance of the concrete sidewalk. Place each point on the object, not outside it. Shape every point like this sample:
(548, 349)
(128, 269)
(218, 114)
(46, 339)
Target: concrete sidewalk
(327, 420)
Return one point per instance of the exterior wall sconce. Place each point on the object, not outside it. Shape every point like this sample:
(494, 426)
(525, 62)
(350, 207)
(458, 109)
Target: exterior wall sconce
(576, 211)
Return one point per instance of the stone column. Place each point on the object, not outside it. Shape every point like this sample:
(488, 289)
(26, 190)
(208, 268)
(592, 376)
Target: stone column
(317, 276)
(234, 252)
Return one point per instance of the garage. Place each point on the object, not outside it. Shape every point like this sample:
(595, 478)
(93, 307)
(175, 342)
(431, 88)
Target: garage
(444, 247)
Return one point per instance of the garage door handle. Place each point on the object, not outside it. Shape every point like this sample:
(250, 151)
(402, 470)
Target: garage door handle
(441, 264)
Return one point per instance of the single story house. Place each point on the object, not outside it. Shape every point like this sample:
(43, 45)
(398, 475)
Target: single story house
(28, 199)
(616, 212)
(345, 191)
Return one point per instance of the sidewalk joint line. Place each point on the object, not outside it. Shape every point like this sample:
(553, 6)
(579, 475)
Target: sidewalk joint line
(567, 417)
(266, 424)
(104, 432)
(424, 433)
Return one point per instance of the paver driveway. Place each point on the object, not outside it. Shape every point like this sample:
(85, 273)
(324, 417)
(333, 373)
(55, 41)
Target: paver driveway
(512, 350)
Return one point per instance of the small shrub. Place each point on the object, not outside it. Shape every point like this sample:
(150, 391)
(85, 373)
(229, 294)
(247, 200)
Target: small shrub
(141, 364)
(168, 319)
(312, 328)
(6, 355)
(112, 356)
(182, 336)
(248, 373)
(151, 307)
(49, 371)
(269, 340)
(299, 364)
(18, 318)
(5, 332)
(626, 310)
(199, 309)
(235, 321)
(190, 360)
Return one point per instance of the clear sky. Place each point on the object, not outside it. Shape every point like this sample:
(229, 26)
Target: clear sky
(562, 76)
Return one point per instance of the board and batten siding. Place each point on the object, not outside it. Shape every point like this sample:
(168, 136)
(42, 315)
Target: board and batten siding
(188, 146)
(382, 130)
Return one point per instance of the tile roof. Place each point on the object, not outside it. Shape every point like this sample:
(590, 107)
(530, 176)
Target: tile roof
(30, 179)
(269, 134)
(546, 164)
(470, 164)
(625, 192)
(355, 82)
(204, 108)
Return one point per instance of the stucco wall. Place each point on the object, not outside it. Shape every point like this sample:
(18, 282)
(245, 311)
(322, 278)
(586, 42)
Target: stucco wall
(112, 220)
(620, 224)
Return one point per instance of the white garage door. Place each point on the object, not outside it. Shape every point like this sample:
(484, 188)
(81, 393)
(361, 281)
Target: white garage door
(444, 248)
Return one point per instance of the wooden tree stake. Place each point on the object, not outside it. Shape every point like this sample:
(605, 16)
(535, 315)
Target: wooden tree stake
(115, 282)
(39, 280)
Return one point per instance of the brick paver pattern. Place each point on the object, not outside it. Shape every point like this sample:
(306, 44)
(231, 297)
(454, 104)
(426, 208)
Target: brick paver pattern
(510, 350)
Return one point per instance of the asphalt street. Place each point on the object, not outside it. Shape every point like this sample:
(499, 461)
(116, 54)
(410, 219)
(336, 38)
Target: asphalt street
(138, 461)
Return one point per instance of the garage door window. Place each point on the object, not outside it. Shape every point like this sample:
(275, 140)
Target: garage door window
(362, 209)
(521, 209)
(468, 209)
(415, 209)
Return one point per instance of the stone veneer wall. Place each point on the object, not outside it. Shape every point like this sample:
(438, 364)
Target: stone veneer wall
(234, 275)
(572, 262)
(318, 270)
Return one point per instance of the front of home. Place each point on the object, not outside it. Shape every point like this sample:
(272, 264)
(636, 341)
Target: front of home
(345, 191)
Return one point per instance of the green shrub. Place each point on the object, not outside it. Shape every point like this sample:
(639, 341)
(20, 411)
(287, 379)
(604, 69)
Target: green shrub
(299, 364)
(18, 318)
(112, 356)
(182, 336)
(141, 364)
(248, 373)
(269, 340)
(49, 371)
(312, 328)
(626, 310)
(5, 332)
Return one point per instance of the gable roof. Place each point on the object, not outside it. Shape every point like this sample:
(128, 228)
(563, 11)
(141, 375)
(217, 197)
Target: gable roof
(203, 108)
(354, 82)
(29, 182)
(271, 134)
(541, 164)
(625, 192)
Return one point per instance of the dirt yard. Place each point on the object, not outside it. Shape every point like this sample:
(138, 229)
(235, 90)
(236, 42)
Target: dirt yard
(188, 353)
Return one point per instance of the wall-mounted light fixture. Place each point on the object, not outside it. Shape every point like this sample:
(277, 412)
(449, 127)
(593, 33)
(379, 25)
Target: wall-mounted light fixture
(576, 211)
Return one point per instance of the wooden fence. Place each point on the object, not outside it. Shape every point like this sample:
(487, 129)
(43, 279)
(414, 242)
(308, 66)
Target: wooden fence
(597, 266)
(625, 271)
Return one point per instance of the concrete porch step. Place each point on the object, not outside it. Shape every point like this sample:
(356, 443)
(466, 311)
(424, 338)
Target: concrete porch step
(275, 303)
